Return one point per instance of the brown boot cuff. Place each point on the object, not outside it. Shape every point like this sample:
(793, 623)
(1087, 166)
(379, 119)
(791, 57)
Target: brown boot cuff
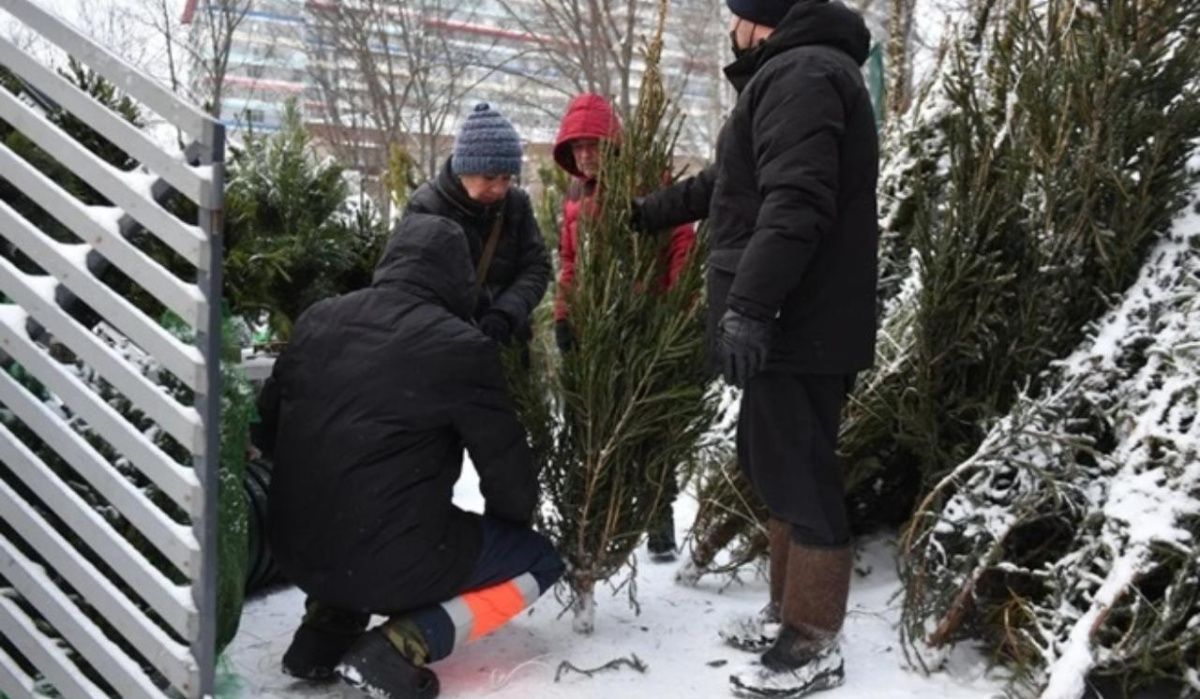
(816, 590)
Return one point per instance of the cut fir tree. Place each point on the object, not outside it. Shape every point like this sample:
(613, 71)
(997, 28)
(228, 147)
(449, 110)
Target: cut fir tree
(629, 404)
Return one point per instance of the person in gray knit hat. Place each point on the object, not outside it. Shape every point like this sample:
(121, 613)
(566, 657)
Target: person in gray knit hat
(475, 188)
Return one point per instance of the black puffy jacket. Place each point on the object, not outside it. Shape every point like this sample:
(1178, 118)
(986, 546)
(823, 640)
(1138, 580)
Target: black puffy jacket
(520, 269)
(367, 412)
(791, 196)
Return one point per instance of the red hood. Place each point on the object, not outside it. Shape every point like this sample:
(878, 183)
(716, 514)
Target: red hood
(588, 116)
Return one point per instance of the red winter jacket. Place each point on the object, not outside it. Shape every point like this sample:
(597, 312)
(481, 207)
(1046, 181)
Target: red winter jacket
(591, 116)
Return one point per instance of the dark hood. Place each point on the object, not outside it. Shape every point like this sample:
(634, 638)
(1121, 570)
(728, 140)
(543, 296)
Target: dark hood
(450, 187)
(428, 256)
(808, 23)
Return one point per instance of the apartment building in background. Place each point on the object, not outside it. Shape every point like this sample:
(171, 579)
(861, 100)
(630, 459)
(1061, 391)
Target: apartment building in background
(472, 50)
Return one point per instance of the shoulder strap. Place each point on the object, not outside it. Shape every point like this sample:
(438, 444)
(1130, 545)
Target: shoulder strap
(489, 251)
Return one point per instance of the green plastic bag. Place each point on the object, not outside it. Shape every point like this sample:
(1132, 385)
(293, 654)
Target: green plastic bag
(237, 412)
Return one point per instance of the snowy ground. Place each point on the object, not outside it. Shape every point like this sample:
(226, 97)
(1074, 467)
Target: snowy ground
(675, 636)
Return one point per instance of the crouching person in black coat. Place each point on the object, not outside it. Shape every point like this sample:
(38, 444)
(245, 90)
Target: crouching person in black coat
(367, 413)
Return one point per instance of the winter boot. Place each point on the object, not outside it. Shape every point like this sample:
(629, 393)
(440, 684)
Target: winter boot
(375, 668)
(323, 637)
(661, 543)
(756, 633)
(797, 665)
(806, 657)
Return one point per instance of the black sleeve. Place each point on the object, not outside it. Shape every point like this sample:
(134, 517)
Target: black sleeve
(683, 202)
(797, 128)
(533, 275)
(496, 441)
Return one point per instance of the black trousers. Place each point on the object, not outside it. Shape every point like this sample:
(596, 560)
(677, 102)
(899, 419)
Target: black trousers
(787, 447)
(508, 552)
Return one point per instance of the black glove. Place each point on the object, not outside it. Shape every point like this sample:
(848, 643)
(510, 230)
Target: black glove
(636, 218)
(495, 325)
(564, 336)
(742, 346)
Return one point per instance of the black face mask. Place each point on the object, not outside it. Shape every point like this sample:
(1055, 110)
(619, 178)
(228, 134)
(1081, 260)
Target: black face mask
(738, 51)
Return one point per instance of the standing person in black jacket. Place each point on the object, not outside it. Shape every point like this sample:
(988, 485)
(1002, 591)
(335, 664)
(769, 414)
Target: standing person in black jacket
(791, 288)
(366, 415)
(475, 189)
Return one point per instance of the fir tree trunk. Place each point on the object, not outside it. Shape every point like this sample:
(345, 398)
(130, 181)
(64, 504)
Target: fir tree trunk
(583, 608)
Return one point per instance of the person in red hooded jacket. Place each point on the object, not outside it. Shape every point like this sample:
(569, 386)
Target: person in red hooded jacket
(588, 124)
(587, 127)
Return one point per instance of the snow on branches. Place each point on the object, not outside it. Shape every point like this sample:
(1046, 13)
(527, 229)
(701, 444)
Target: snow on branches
(1071, 538)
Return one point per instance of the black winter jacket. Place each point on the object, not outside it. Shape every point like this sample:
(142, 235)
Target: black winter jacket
(520, 268)
(367, 412)
(791, 196)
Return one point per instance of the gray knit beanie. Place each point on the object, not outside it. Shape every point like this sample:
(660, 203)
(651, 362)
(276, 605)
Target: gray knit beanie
(487, 144)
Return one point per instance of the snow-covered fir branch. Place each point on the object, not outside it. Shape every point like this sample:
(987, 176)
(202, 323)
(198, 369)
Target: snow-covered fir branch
(1104, 465)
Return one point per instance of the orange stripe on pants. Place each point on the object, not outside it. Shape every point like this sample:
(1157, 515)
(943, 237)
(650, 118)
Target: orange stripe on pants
(493, 606)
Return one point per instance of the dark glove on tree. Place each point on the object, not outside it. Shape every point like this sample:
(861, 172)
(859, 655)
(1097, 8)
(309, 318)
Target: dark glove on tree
(636, 219)
(495, 325)
(564, 336)
(742, 346)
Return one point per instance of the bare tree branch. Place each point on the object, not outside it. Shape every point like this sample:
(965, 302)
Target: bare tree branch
(223, 17)
(593, 45)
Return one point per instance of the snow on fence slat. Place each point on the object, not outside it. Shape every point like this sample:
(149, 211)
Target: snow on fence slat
(166, 655)
(13, 680)
(40, 650)
(183, 299)
(182, 423)
(174, 541)
(118, 669)
(145, 581)
(132, 140)
(67, 264)
(183, 115)
(119, 187)
(176, 481)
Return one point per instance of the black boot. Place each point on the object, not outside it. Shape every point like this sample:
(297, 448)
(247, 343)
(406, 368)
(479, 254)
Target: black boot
(661, 542)
(796, 666)
(375, 668)
(323, 637)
